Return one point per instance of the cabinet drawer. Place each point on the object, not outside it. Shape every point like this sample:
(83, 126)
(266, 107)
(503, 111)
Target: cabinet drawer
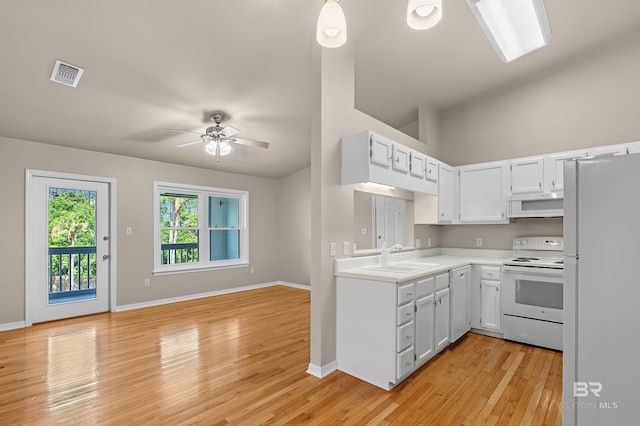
(405, 294)
(405, 336)
(405, 362)
(425, 286)
(490, 272)
(442, 281)
(405, 313)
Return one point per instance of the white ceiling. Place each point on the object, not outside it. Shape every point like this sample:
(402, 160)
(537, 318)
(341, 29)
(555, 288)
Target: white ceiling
(157, 64)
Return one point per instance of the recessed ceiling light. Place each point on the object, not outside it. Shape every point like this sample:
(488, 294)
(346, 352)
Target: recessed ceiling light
(513, 27)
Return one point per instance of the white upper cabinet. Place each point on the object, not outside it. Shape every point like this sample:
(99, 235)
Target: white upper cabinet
(446, 191)
(418, 165)
(554, 169)
(381, 151)
(483, 193)
(527, 175)
(369, 157)
(431, 210)
(401, 158)
(432, 170)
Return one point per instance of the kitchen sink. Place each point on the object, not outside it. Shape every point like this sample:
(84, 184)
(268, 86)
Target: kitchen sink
(392, 268)
(420, 262)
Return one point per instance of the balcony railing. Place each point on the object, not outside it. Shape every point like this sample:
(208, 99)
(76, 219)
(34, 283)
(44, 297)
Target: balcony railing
(179, 253)
(72, 273)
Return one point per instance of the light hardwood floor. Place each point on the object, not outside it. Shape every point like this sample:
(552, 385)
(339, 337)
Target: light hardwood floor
(241, 359)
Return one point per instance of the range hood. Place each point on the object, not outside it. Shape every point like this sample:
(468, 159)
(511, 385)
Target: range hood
(536, 205)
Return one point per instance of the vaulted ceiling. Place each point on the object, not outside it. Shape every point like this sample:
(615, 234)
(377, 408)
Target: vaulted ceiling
(157, 64)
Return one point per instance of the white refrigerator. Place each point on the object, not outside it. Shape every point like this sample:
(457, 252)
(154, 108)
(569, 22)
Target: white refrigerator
(601, 359)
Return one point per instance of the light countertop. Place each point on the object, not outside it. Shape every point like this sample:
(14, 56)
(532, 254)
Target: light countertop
(407, 266)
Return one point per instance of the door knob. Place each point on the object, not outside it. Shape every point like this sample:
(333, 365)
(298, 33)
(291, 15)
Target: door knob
(105, 257)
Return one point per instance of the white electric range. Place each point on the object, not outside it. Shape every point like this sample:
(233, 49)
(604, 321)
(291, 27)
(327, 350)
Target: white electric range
(532, 292)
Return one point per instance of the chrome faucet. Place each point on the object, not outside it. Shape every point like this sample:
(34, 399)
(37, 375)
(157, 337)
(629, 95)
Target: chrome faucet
(384, 251)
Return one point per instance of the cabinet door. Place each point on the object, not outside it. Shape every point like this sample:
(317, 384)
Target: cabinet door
(442, 319)
(527, 175)
(490, 315)
(482, 193)
(418, 164)
(554, 169)
(445, 194)
(425, 338)
(401, 156)
(432, 170)
(380, 151)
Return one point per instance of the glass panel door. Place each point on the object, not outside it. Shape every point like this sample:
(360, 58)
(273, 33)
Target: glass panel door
(68, 247)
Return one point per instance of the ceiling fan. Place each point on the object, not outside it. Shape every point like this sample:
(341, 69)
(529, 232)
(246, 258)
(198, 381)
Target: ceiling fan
(219, 140)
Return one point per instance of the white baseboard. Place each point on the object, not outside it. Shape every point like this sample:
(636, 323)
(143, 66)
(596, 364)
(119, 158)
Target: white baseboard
(12, 325)
(207, 294)
(324, 371)
(294, 285)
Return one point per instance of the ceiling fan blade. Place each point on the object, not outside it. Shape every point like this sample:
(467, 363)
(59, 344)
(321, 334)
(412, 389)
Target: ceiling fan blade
(189, 143)
(185, 131)
(229, 131)
(249, 142)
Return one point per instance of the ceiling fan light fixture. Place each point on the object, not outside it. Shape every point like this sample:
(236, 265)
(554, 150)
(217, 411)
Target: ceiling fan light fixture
(218, 148)
(423, 14)
(210, 148)
(225, 148)
(332, 25)
(514, 28)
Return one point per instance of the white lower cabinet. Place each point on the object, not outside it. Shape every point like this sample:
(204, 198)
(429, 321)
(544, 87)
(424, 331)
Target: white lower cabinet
(486, 309)
(425, 332)
(442, 319)
(385, 331)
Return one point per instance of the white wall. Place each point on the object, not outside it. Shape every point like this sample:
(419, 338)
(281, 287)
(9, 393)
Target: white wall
(134, 209)
(592, 100)
(293, 242)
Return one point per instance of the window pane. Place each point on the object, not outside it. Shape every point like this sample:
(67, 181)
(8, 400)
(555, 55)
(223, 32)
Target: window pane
(178, 211)
(224, 245)
(179, 246)
(223, 212)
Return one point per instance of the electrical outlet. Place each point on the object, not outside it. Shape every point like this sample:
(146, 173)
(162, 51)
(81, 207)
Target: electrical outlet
(332, 249)
(147, 282)
(478, 242)
(253, 270)
(418, 243)
(364, 231)
(345, 247)
(129, 230)
(428, 242)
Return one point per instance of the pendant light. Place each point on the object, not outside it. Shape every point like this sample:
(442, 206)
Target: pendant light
(423, 14)
(332, 25)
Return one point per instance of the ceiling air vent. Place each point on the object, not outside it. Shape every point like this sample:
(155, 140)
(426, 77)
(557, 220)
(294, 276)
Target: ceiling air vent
(66, 74)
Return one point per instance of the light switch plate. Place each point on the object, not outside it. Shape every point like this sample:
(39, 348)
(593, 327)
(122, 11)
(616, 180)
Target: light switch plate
(345, 247)
(332, 249)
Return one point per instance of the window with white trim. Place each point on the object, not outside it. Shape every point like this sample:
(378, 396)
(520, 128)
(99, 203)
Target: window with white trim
(197, 227)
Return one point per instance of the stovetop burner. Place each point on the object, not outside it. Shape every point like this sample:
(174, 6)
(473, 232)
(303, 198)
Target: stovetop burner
(525, 259)
(537, 252)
